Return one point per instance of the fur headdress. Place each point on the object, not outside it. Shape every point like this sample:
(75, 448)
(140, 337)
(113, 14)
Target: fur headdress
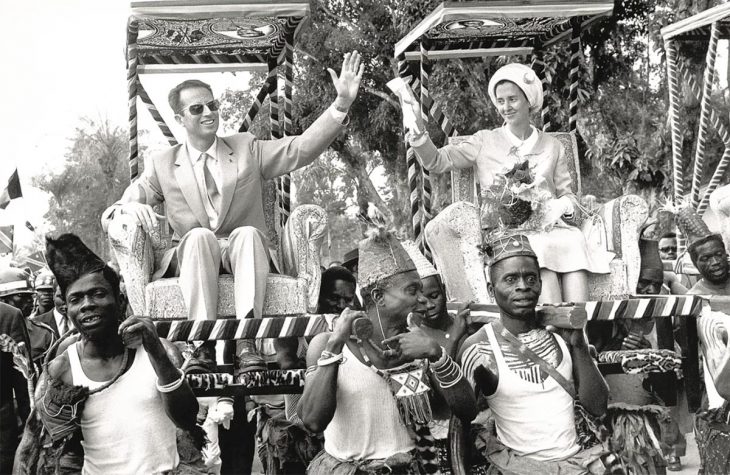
(70, 259)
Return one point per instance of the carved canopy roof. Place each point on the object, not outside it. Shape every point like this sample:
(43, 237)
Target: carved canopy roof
(459, 27)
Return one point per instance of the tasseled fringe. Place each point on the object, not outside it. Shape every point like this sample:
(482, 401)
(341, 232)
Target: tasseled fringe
(415, 409)
(634, 436)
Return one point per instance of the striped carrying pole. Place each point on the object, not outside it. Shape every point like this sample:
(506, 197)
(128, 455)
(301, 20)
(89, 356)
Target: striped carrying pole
(426, 102)
(705, 106)
(575, 56)
(132, 79)
(674, 91)
(142, 93)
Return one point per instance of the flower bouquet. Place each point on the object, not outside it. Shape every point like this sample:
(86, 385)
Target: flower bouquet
(517, 201)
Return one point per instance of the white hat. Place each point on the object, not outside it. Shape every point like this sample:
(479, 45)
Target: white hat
(524, 78)
(424, 268)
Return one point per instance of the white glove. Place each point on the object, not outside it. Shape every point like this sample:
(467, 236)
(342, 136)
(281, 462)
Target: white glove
(222, 413)
(567, 206)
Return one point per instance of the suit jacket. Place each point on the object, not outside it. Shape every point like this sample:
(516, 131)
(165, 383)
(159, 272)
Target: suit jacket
(245, 163)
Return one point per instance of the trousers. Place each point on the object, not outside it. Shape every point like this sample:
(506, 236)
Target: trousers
(202, 257)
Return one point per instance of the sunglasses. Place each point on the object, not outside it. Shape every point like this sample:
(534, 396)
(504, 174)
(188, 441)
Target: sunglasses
(197, 109)
(668, 249)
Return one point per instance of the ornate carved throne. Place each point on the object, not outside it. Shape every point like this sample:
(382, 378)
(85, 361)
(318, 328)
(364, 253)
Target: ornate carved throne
(454, 234)
(210, 36)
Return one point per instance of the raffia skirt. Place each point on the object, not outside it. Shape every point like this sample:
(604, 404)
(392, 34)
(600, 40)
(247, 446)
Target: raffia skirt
(564, 249)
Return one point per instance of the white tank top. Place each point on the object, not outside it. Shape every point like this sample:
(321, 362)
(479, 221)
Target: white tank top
(536, 420)
(366, 424)
(125, 427)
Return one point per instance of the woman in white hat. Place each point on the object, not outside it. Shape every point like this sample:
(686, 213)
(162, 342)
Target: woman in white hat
(562, 251)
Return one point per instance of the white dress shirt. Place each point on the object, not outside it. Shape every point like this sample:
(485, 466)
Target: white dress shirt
(60, 319)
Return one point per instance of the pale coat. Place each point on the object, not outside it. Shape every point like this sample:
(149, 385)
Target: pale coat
(245, 163)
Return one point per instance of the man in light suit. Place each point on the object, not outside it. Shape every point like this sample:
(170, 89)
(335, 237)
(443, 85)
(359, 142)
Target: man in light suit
(212, 189)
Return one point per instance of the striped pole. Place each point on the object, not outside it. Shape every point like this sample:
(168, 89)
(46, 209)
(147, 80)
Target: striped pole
(426, 101)
(717, 177)
(575, 54)
(674, 91)
(547, 126)
(287, 71)
(132, 78)
(256, 106)
(275, 124)
(538, 66)
(705, 105)
(719, 126)
(413, 172)
(715, 122)
(142, 93)
(678, 174)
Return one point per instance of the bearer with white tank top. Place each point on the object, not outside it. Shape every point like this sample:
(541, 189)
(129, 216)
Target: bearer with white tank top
(536, 420)
(125, 427)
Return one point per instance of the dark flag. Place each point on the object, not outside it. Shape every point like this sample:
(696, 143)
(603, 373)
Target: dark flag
(11, 191)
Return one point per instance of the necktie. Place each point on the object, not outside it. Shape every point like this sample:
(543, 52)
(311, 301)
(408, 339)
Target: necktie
(214, 195)
(63, 326)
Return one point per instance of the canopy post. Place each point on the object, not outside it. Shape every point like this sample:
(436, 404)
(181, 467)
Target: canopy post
(132, 79)
(426, 102)
(705, 106)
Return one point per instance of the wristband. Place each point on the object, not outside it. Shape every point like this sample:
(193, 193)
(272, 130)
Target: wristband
(327, 358)
(170, 387)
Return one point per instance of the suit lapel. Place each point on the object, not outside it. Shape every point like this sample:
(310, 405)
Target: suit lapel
(185, 177)
(229, 169)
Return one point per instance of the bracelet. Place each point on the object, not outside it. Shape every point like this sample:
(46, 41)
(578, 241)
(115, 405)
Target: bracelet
(327, 358)
(170, 387)
(448, 374)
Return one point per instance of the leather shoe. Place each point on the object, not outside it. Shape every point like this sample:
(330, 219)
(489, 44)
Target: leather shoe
(202, 360)
(248, 358)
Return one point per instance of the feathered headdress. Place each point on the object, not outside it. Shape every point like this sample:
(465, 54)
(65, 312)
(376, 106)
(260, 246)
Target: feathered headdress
(381, 253)
(70, 259)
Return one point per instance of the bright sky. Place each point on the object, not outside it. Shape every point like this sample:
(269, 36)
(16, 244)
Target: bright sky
(63, 60)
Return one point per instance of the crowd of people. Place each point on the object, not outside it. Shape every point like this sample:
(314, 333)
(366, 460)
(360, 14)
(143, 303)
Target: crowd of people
(111, 397)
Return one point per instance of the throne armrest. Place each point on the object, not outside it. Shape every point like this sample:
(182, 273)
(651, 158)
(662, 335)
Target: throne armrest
(622, 219)
(300, 246)
(454, 236)
(134, 252)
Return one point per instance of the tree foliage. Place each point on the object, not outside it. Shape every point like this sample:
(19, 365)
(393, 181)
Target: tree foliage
(95, 176)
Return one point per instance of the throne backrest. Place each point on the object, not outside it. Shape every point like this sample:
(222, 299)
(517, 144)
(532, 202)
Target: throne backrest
(464, 186)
